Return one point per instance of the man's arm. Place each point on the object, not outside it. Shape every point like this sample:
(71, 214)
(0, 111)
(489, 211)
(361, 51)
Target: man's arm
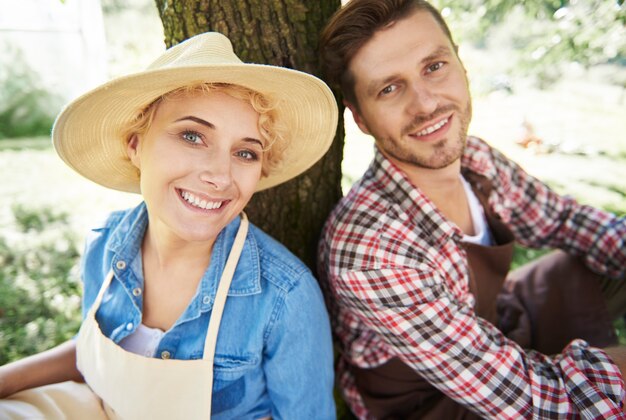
(51, 366)
(539, 218)
(469, 359)
(618, 355)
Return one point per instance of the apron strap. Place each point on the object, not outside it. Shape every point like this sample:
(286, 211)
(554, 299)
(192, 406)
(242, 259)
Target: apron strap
(103, 288)
(222, 290)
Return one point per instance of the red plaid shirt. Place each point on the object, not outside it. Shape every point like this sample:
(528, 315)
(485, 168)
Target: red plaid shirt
(398, 286)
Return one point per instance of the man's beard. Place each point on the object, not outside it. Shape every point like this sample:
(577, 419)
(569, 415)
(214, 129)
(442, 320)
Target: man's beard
(444, 152)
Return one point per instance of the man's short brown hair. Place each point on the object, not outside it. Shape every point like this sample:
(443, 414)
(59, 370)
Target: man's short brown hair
(353, 25)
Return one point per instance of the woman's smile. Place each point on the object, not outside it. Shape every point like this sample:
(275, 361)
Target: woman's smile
(199, 202)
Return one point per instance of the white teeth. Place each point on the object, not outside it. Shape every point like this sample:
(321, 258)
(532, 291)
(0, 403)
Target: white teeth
(203, 204)
(432, 128)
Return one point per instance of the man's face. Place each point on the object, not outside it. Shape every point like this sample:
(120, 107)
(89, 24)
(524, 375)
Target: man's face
(412, 93)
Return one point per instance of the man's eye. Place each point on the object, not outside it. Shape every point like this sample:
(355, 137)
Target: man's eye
(387, 90)
(435, 66)
(192, 137)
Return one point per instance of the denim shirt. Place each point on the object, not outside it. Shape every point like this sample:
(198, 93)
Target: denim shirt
(274, 353)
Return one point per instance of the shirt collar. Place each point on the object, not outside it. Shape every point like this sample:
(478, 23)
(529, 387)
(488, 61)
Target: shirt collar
(247, 276)
(476, 159)
(479, 158)
(397, 188)
(125, 243)
(125, 240)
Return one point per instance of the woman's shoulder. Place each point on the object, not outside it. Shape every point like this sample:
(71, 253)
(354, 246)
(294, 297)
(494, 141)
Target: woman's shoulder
(109, 220)
(114, 224)
(279, 265)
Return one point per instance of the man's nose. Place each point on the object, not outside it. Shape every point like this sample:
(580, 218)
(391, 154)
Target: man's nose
(422, 100)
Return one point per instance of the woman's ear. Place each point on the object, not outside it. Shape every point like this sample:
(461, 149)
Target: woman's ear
(132, 149)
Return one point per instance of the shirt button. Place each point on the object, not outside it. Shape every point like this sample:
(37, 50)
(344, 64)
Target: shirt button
(136, 291)
(120, 265)
(129, 326)
(206, 300)
(165, 355)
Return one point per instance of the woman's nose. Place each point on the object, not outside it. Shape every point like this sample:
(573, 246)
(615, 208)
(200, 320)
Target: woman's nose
(217, 172)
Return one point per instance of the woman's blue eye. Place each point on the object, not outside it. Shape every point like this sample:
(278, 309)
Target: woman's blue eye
(248, 155)
(192, 137)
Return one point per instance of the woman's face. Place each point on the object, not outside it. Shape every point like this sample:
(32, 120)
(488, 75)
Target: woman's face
(200, 162)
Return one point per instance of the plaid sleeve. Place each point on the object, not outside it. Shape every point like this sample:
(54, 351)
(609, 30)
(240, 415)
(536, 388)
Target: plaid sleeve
(539, 217)
(469, 359)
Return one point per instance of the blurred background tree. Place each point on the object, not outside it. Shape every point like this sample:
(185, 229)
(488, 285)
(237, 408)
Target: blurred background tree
(545, 35)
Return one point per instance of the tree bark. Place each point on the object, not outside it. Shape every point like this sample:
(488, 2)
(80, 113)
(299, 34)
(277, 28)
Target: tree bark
(283, 33)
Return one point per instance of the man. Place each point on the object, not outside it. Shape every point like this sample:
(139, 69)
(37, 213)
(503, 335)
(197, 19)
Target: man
(415, 258)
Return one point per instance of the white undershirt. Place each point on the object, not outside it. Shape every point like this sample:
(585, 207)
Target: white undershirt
(143, 341)
(482, 235)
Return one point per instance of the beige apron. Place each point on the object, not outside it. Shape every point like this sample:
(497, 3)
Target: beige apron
(136, 387)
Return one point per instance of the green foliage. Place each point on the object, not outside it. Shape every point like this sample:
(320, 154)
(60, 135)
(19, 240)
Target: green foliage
(39, 286)
(522, 255)
(620, 331)
(117, 6)
(26, 108)
(36, 219)
(545, 35)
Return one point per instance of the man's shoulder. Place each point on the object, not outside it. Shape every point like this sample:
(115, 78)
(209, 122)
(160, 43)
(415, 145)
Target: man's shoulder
(477, 150)
(366, 224)
(363, 207)
(482, 158)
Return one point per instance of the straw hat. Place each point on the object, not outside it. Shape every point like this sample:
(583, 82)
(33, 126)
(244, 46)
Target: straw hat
(86, 134)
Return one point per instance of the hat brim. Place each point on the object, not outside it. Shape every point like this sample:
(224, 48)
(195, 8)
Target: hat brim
(86, 134)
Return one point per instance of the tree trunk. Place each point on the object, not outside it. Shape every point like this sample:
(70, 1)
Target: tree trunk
(283, 33)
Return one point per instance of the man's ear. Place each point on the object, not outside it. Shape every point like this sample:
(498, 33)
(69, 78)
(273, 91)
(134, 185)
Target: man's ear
(357, 117)
(133, 149)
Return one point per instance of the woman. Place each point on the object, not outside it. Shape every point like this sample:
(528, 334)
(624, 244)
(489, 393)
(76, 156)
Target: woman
(196, 134)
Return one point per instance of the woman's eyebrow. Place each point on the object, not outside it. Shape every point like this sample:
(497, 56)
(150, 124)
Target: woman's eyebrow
(211, 126)
(197, 120)
(253, 141)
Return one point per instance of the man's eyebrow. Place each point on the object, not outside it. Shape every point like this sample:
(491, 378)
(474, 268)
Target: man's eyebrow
(439, 52)
(373, 86)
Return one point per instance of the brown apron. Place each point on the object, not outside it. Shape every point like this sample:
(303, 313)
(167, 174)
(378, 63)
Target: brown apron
(543, 305)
